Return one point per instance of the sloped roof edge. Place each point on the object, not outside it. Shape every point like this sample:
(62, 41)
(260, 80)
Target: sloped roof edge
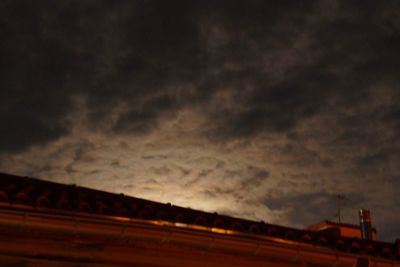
(17, 191)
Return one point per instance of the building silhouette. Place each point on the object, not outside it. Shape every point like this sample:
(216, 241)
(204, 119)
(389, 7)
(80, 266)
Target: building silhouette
(49, 224)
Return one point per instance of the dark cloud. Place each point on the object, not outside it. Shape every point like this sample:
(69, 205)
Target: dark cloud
(143, 119)
(378, 158)
(80, 151)
(38, 64)
(342, 58)
(284, 61)
(238, 184)
(154, 157)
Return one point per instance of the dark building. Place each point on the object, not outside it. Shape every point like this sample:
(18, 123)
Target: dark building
(341, 229)
(50, 224)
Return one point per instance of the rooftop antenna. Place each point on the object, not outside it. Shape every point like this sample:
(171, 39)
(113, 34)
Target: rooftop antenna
(339, 199)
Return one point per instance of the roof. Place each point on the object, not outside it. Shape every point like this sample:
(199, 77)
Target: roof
(23, 192)
(335, 224)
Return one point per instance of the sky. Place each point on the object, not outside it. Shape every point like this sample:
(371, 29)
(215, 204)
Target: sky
(265, 110)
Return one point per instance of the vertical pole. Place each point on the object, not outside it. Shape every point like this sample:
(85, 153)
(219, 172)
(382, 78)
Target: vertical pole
(365, 224)
(339, 198)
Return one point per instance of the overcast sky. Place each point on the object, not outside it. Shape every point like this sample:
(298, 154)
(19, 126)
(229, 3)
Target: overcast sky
(258, 109)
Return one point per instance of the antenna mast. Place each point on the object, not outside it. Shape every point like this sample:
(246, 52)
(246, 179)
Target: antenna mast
(339, 199)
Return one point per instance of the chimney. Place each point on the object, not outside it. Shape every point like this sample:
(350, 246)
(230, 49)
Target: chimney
(365, 224)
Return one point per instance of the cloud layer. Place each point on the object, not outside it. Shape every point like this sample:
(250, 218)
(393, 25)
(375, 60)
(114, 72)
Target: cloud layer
(263, 110)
